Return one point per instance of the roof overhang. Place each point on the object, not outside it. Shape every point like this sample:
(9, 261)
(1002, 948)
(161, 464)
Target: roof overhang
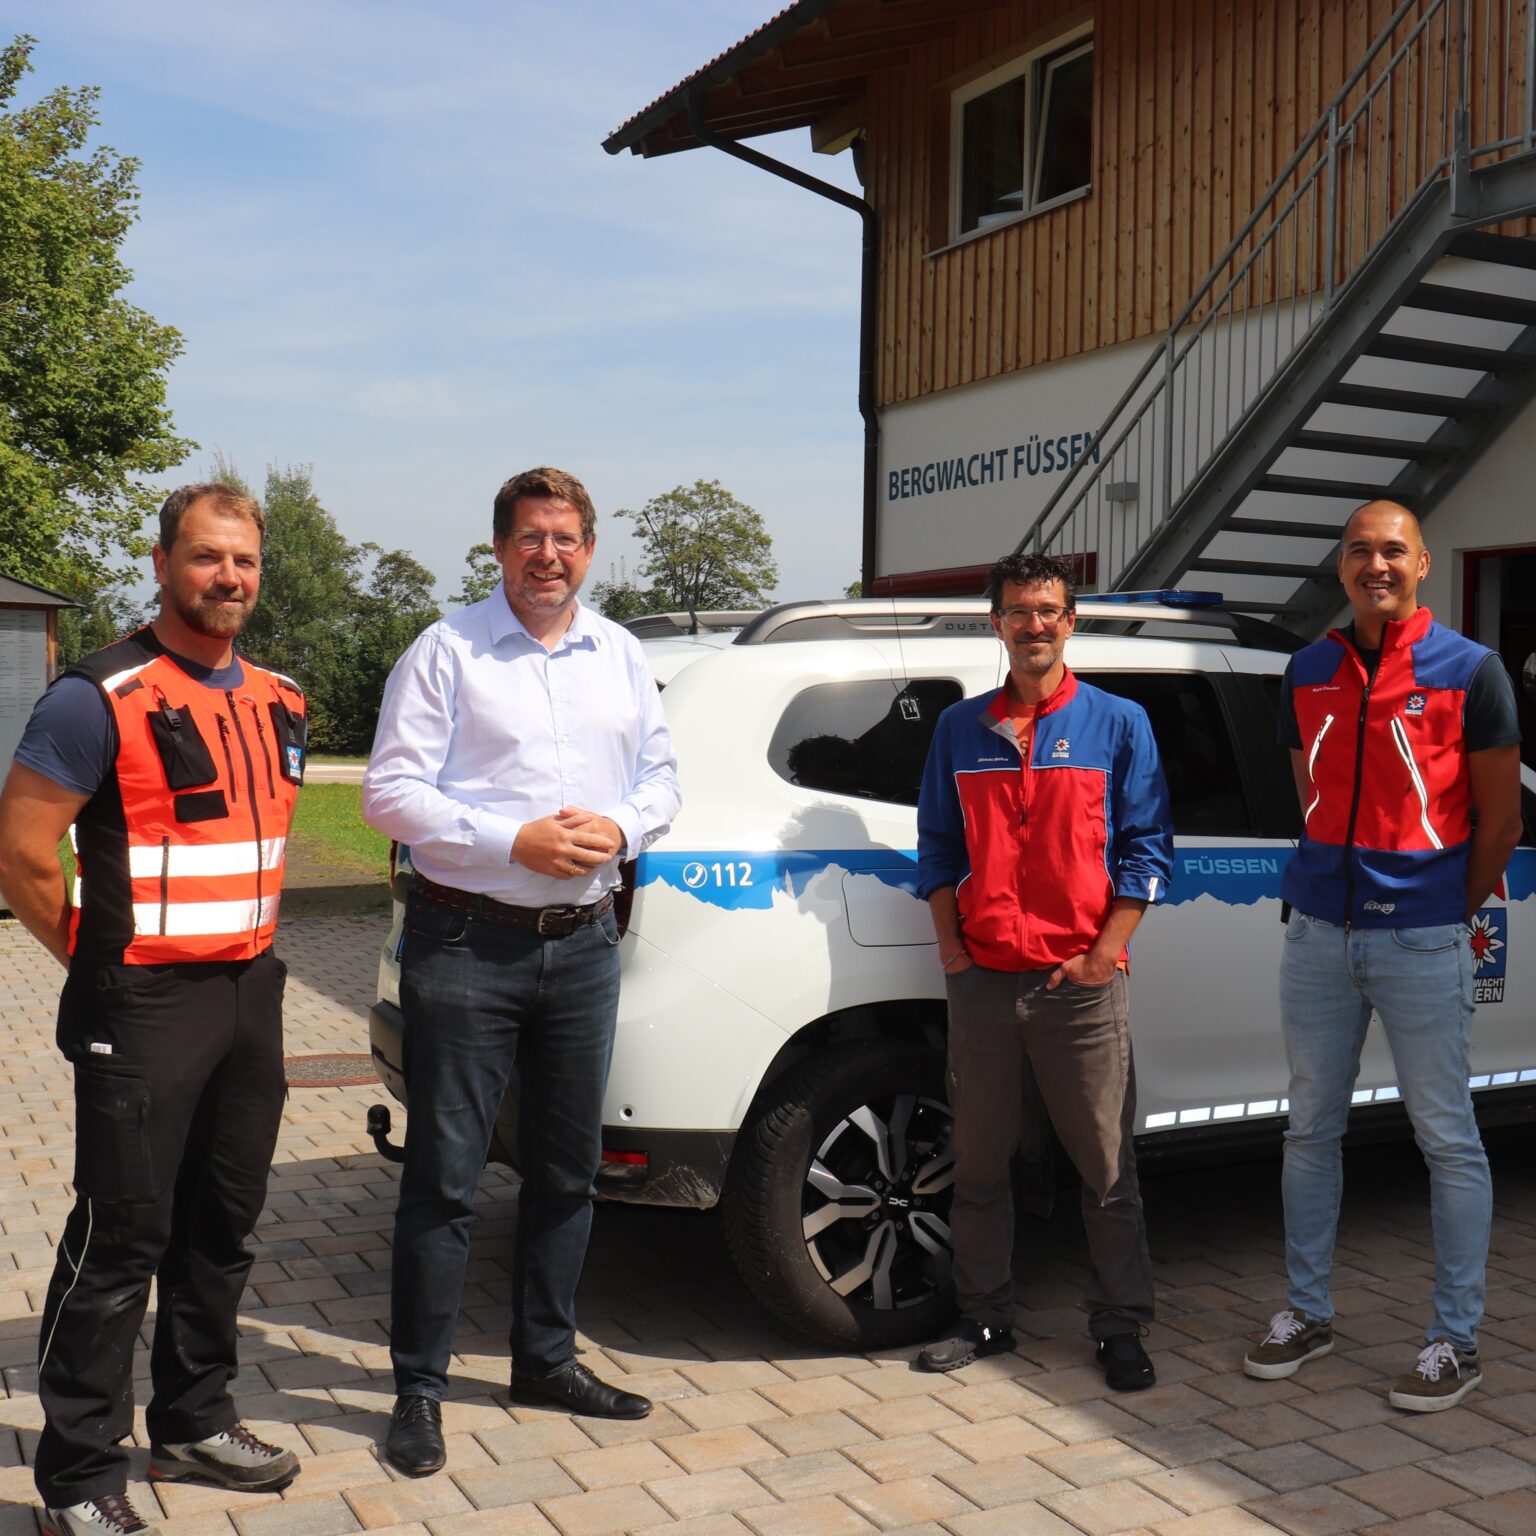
(809, 64)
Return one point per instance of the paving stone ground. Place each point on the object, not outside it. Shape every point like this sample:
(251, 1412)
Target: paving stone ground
(758, 1435)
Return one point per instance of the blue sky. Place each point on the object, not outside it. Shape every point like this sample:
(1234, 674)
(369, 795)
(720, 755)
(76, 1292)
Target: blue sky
(397, 251)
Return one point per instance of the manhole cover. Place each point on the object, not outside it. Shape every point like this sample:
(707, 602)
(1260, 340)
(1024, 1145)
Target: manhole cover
(340, 1071)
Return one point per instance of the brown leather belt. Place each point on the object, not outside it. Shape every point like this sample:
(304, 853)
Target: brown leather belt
(550, 922)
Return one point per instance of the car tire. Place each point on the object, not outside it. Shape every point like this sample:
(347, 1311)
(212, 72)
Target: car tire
(864, 1129)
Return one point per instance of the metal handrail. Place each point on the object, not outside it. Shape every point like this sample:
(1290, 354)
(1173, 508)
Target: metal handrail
(1411, 122)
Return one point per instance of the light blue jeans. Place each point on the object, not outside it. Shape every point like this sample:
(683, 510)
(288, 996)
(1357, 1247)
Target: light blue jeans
(1419, 980)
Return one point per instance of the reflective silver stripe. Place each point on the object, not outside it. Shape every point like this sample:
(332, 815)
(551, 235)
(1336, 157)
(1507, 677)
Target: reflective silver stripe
(188, 919)
(1400, 736)
(119, 678)
(74, 1279)
(1311, 759)
(206, 859)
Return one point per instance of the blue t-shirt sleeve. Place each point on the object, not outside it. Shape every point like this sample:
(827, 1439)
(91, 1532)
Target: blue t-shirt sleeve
(71, 738)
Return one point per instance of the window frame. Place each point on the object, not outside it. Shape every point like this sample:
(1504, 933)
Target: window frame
(1036, 66)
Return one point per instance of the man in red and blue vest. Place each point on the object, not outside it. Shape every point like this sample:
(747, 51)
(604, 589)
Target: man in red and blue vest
(1405, 746)
(1044, 831)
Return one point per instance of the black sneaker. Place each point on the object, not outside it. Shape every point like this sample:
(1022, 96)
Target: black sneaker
(1125, 1363)
(968, 1341)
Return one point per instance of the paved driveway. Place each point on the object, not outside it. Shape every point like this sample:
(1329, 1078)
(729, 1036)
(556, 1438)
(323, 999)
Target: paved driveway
(757, 1434)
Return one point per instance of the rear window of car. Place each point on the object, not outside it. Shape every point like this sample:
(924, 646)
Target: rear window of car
(1204, 781)
(868, 739)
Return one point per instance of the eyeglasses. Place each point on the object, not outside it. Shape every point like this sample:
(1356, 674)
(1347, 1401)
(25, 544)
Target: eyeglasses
(531, 543)
(1017, 618)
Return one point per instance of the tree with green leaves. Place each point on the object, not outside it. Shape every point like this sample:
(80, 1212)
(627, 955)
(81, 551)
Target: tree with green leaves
(333, 615)
(481, 579)
(83, 418)
(704, 549)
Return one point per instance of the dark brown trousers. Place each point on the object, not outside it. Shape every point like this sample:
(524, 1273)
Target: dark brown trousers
(1008, 1038)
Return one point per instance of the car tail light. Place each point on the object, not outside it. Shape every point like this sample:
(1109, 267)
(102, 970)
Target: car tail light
(627, 1159)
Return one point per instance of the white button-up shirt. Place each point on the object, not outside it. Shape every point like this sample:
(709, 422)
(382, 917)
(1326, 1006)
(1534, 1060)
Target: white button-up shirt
(482, 730)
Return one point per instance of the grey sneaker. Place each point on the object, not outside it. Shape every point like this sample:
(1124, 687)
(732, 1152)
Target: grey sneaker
(1443, 1376)
(967, 1341)
(109, 1515)
(1292, 1340)
(233, 1458)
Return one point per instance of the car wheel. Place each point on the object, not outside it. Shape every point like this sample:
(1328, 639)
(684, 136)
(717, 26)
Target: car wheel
(836, 1207)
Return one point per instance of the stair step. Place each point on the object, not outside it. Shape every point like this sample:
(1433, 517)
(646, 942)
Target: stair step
(1278, 528)
(1375, 398)
(1444, 299)
(1449, 354)
(1354, 490)
(1252, 567)
(1503, 250)
(1375, 447)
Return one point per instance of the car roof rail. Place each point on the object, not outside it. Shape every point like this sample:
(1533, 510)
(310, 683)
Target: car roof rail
(922, 618)
(650, 626)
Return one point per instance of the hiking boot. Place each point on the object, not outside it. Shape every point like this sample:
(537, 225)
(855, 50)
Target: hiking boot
(1443, 1376)
(968, 1341)
(1292, 1340)
(108, 1515)
(1125, 1363)
(233, 1458)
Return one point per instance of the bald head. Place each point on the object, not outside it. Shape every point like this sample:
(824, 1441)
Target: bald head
(1382, 560)
(1372, 511)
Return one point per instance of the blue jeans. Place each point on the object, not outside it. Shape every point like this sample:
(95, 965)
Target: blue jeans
(479, 999)
(1419, 980)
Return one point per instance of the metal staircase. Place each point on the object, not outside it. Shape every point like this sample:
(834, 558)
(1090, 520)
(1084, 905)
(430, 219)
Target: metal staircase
(1363, 336)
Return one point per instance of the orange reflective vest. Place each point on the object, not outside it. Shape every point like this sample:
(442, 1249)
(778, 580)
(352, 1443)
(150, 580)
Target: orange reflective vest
(181, 851)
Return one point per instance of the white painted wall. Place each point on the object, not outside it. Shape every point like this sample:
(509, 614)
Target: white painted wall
(1000, 430)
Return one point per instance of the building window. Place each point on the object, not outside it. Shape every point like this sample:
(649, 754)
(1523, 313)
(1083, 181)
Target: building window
(1023, 137)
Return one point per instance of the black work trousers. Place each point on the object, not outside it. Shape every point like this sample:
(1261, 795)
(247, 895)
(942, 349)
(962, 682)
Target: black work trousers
(179, 1092)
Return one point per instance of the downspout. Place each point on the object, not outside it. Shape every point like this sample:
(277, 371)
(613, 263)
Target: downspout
(868, 281)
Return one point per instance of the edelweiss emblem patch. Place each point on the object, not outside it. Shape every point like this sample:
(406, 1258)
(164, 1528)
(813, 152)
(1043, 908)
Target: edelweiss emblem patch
(1415, 704)
(1063, 747)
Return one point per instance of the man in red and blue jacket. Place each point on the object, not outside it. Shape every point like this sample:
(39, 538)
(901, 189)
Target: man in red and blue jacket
(1043, 834)
(1404, 743)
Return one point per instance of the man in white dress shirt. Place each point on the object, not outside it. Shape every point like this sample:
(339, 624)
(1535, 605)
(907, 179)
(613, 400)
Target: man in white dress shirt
(521, 753)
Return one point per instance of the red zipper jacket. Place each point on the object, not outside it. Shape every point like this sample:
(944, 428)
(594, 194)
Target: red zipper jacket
(1387, 826)
(1038, 850)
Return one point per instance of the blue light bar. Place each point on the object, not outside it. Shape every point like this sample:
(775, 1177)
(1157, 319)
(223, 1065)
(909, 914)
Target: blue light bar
(1168, 597)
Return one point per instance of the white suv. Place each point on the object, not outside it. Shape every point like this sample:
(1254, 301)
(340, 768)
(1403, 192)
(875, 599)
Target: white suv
(780, 1045)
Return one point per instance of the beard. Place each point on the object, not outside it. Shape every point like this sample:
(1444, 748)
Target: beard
(210, 614)
(543, 599)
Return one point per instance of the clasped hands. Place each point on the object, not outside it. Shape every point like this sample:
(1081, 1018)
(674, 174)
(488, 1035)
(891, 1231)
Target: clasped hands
(571, 843)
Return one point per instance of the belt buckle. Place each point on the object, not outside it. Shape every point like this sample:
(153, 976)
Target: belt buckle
(565, 915)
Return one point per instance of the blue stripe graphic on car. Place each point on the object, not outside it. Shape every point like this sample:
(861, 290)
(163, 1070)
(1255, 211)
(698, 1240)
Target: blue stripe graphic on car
(745, 879)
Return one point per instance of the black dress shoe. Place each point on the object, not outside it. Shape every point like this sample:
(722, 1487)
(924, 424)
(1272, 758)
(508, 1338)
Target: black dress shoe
(414, 1443)
(576, 1389)
(1125, 1363)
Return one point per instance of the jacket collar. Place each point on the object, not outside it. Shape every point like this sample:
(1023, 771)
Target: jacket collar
(1398, 634)
(1061, 695)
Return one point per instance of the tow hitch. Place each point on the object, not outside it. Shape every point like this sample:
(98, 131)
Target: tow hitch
(379, 1128)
